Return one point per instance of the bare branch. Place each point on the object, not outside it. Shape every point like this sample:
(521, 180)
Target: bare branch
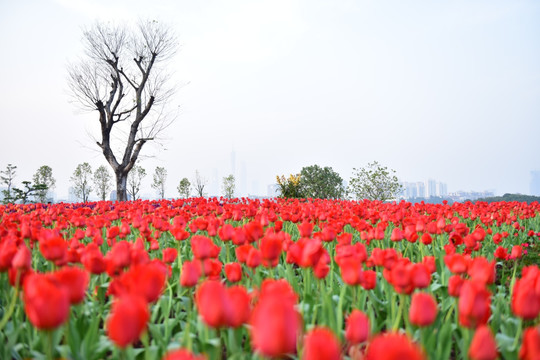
(128, 116)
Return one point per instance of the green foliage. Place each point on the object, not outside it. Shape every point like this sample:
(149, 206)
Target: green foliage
(81, 181)
(44, 177)
(7, 177)
(160, 176)
(511, 197)
(184, 188)
(374, 182)
(228, 186)
(23, 195)
(321, 183)
(289, 187)
(134, 180)
(102, 181)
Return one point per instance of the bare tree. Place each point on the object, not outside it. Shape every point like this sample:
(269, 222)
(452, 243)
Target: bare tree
(199, 184)
(122, 79)
(134, 181)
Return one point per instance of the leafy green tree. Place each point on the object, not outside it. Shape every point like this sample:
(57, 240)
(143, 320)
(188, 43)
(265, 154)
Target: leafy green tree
(184, 188)
(321, 183)
(82, 176)
(44, 176)
(102, 181)
(134, 180)
(7, 177)
(23, 195)
(289, 187)
(228, 186)
(160, 176)
(374, 182)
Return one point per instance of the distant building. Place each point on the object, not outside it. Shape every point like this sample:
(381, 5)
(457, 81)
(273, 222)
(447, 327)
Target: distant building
(272, 190)
(535, 183)
(431, 188)
(442, 190)
(421, 189)
(410, 190)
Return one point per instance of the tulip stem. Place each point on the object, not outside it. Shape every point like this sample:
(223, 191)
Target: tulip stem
(518, 335)
(49, 345)
(12, 303)
(395, 326)
(340, 309)
(513, 281)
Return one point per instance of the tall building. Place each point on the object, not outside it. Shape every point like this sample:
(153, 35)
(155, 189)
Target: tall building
(442, 190)
(535, 183)
(421, 188)
(410, 190)
(241, 185)
(431, 188)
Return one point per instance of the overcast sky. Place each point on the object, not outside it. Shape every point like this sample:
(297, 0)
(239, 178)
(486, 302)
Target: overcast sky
(448, 90)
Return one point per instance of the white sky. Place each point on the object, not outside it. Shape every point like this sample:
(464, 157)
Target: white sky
(448, 90)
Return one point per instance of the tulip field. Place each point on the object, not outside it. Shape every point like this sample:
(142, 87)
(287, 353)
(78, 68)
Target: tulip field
(276, 278)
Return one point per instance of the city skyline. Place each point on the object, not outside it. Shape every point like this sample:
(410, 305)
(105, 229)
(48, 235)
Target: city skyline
(443, 90)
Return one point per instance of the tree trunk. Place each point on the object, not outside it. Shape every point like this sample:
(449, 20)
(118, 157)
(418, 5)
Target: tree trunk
(121, 188)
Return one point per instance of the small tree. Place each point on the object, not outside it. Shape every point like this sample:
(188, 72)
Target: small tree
(228, 186)
(102, 181)
(289, 187)
(7, 178)
(184, 188)
(160, 175)
(200, 184)
(29, 190)
(134, 181)
(374, 182)
(44, 177)
(82, 176)
(321, 183)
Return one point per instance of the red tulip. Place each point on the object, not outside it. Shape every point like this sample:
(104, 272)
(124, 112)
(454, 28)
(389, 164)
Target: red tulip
(321, 343)
(423, 310)
(182, 354)
(357, 328)
(169, 255)
(191, 272)
(213, 304)
(240, 306)
(530, 347)
(75, 280)
(46, 301)
(128, 319)
(54, 249)
(393, 346)
(483, 345)
(233, 271)
(22, 259)
(275, 323)
(525, 298)
(474, 304)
